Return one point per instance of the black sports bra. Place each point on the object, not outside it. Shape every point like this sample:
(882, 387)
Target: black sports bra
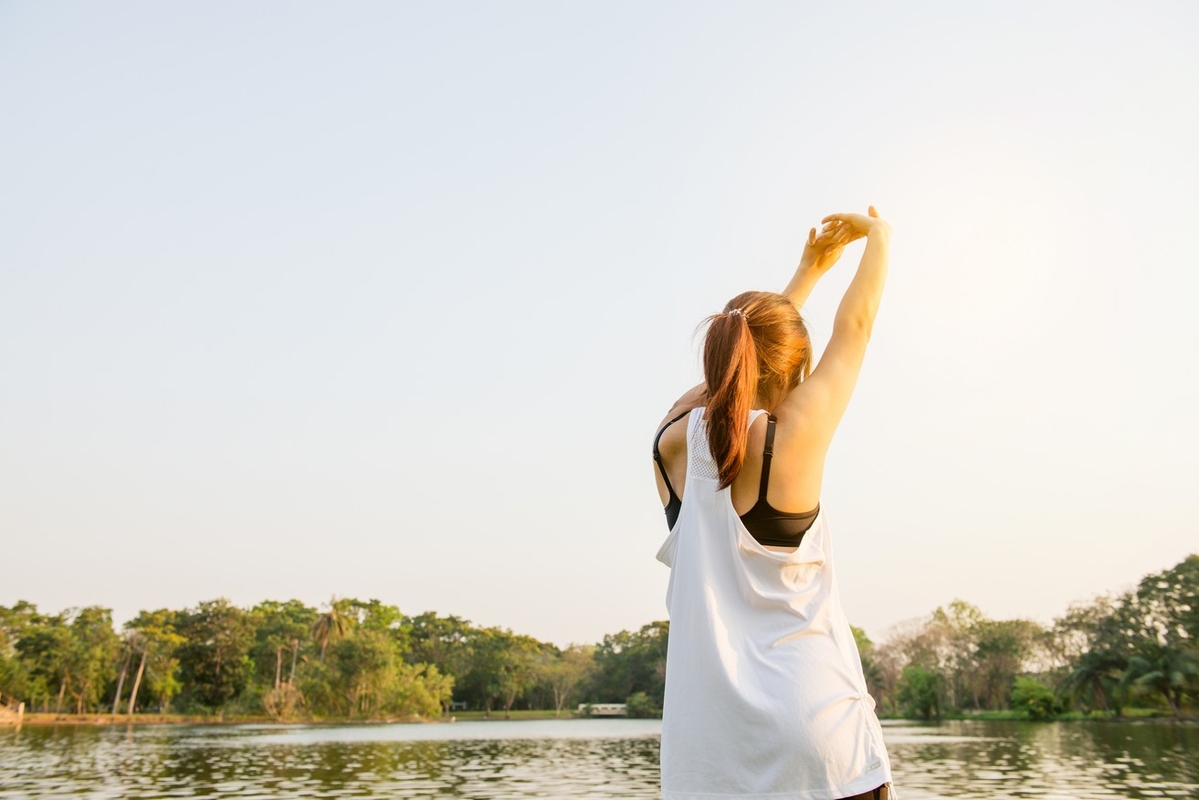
(764, 522)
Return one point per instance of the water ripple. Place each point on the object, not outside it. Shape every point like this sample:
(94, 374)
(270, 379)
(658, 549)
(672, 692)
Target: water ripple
(568, 758)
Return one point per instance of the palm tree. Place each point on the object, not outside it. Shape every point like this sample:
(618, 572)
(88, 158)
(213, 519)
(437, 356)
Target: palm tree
(333, 625)
(1095, 669)
(1165, 669)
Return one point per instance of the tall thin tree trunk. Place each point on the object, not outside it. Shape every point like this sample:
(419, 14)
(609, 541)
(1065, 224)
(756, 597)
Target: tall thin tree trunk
(137, 682)
(295, 649)
(116, 701)
(1174, 704)
(62, 690)
(278, 666)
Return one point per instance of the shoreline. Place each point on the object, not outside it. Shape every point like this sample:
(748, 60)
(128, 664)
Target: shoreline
(50, 719)
(97, 720)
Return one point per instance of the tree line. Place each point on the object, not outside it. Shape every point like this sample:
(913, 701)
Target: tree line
(357, 659)
(1138, 648)
(352, 660)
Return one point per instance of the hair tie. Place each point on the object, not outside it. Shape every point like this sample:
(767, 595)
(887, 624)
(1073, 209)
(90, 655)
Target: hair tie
(736, 312)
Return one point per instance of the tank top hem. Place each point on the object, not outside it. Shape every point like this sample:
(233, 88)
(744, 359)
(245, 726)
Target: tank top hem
(871, 780)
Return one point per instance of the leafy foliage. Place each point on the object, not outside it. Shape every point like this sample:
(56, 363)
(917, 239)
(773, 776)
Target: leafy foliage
(1034, 698)
(367, 660)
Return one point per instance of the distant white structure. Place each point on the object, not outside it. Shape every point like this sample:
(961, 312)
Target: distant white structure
(12, 712)
(604, 709)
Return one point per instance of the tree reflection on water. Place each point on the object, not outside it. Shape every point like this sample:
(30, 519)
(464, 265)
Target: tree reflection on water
(581, 758)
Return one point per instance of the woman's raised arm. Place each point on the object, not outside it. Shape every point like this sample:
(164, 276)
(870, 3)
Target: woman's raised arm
(827, 391)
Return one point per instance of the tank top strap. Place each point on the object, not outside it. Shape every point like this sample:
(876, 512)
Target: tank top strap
(701, 462)
(767, 457)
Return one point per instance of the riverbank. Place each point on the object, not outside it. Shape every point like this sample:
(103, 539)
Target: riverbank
(194, 719)
(1129, 715)
(202, 719)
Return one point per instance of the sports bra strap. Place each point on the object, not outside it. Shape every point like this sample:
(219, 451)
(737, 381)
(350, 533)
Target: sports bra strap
(767, 456)
(658, 455)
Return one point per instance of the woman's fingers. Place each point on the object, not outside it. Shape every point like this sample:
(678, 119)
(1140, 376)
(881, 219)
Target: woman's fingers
(872, 211)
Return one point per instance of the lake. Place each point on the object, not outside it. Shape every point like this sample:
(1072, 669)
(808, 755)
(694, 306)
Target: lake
(608, 758)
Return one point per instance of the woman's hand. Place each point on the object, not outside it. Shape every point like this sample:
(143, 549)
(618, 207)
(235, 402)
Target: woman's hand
(822, 250)
(855, 226)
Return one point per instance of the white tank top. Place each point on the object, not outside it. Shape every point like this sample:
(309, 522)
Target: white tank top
(765, 696)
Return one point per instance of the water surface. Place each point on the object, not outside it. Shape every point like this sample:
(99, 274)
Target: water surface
(608, 758)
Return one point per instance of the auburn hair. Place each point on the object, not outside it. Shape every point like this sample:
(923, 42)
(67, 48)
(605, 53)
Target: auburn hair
(757, 348)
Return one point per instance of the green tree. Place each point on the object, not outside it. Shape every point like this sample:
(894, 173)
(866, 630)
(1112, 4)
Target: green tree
(419, 689)
(332, 626)
(387, 619)
(1165, 670)
(1094, 677)
(1169, 602)
(446, 643)
(43, 650)
(567, 673)
(214, 661)
(871, 669)
(638, 705)
(629, 662)
(15, 623)
(952, 636)
(154, 637)
(362, 667)
(518, 670)
(93, 655)
(280, 632)
(919, 692)
(1002, 650)
(1034, 698)
(503, 665)
(1095, 640)
(441, 641)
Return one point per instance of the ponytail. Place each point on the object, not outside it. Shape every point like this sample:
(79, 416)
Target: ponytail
(731, 372)
(757, 348)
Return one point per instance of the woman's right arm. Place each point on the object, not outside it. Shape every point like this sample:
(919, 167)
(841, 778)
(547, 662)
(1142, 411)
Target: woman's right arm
(825, 394)
(692, 398)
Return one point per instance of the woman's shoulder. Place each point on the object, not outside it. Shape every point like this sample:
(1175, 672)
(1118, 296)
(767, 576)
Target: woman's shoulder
(671, 433)
(800, 430)
(675, 415)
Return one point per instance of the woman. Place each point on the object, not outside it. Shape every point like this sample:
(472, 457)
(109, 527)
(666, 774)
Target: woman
(765, 696)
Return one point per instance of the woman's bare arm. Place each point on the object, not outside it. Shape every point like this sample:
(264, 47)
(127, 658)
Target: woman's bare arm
(693, 397)
(826, 393)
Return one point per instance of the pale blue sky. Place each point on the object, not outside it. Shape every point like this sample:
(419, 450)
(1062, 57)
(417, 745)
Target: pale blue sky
(385, 300)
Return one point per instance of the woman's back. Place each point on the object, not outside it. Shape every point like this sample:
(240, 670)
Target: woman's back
(796, 470)
(764, 687)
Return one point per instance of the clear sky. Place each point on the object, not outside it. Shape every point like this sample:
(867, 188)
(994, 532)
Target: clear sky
(385, 299)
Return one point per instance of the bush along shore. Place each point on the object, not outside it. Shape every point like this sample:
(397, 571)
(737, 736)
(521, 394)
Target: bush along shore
(1117, 656)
